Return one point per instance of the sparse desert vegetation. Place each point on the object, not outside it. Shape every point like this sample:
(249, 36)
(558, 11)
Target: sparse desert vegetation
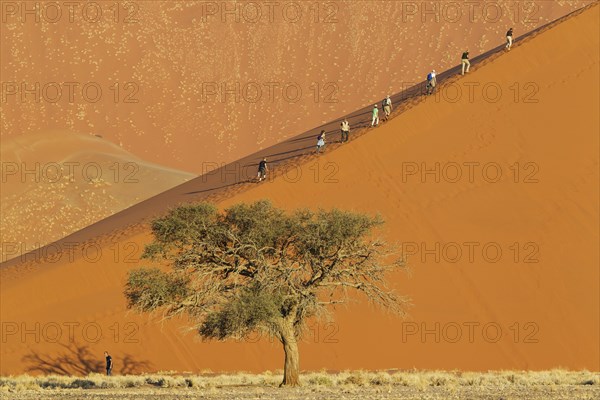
(554, 384)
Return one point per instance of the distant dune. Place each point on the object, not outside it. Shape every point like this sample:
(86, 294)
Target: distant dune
(55, 183)
(502, 240)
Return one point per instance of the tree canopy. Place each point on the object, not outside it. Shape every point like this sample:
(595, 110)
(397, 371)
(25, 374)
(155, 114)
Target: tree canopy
(255, 267)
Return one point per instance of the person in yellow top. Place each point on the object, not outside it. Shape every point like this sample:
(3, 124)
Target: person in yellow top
(345, 126)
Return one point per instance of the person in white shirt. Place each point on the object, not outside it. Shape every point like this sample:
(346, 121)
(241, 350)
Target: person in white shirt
(375, 120)
(321, 141)
(509, 39)
(466, 64)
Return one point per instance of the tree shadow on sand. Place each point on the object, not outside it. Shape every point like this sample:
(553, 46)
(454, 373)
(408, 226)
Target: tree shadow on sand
(79, 360)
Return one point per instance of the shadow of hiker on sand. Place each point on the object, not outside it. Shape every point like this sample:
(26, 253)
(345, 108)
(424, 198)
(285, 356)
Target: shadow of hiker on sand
(79, 360)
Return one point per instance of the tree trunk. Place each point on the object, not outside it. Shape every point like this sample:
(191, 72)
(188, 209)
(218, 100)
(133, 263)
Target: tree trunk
(291, 369)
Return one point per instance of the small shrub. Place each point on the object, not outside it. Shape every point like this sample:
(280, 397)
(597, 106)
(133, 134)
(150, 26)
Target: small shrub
(355, 379)
(83, 384)
(380, 379)
(321, 380)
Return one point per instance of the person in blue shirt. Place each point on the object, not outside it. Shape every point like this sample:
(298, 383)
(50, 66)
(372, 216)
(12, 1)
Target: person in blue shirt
(431, 82)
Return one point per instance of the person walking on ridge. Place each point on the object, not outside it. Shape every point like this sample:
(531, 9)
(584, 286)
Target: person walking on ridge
(321, 141)
(262, 169)
(345, 130)
(387, 107)
(375, 120)
(431, 82)
(509, 39)
(466, 64)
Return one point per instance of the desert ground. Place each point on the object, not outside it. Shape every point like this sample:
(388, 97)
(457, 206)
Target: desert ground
(414, 385)
(502, 240)
(132, 73)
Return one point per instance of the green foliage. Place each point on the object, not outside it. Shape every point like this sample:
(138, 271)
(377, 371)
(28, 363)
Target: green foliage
(150, 288)
(259, 223)
(255, 266)
(180, 228)
(250, 310)
(326, 231)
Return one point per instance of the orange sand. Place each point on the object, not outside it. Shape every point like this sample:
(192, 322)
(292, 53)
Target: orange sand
(176, 54)
(551, 208)
(156, 65)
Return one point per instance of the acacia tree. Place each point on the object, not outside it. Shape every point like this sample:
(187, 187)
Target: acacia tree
(256, 268)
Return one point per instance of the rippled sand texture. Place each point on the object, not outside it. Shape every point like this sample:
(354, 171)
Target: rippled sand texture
(55, 183)
(296, 64)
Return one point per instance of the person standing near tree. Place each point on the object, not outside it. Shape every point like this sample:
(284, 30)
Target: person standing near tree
(466, 64)
(509, 39)
(109, 363)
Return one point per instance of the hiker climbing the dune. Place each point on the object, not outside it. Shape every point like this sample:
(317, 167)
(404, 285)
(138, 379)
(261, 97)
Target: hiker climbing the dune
(509, 39)
(375, 119)
(387, 108)
(262, 169)
(466, 64)
(345, 127)
(321, 141)
(431, 82)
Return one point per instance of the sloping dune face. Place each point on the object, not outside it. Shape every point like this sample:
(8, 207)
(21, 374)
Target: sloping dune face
(55, 183)
(492, 195)
(185, 84)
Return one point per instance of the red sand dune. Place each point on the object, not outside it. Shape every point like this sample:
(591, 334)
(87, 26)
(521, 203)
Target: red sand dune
(174, 55)
(541, 293)
(143, 77)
